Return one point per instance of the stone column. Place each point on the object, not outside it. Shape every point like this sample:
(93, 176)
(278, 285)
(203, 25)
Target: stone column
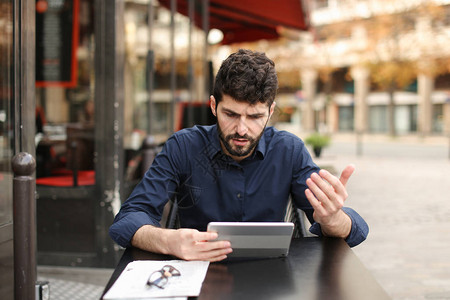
(309, 87)
(425, 86)
(332, 116)
(447, 117)
(361, 114)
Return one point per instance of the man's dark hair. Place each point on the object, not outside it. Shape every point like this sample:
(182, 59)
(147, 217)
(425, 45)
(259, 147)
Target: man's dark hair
(247, 76)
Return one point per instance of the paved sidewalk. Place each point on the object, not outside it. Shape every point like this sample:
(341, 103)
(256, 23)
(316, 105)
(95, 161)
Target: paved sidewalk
(74, 283)
(402, 189)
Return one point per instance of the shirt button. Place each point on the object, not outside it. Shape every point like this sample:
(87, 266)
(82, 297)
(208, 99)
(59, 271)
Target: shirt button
(239, 195)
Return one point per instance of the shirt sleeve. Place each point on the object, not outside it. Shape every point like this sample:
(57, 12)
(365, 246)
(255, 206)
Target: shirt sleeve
(146, 203)
(358, 232)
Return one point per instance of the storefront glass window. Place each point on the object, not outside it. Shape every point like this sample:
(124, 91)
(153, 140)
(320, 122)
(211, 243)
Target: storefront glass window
(154, 104)
(413, 117)
(405, 119)
(402, 121)
(147, 105)
(346, 118)
(438, 118)
(378, 119)
(65, 99)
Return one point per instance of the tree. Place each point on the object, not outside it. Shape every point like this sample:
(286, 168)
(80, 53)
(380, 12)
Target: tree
(396, 40)
(400, 46)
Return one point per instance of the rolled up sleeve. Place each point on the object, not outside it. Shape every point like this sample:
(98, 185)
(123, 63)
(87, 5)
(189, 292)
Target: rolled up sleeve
(358, 232)
(146, 203)
(123, 229)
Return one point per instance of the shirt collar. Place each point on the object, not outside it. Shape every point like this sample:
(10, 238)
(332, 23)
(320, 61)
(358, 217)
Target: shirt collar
(215, 142)
(261, 147)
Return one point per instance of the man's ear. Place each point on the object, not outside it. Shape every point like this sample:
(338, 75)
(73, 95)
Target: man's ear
(212, 104)
(272, 109)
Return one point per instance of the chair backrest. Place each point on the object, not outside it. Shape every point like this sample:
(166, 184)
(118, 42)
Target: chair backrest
(298, 217)
(80, 146)
(79, 169)
(170, 217)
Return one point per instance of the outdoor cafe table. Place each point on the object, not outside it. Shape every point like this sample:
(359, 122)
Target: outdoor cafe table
(316, 268)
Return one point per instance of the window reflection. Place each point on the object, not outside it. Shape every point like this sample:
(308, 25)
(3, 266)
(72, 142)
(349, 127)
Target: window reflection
(65, 113)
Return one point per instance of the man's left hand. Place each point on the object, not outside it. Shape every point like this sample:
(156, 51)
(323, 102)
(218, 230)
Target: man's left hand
(327, 195)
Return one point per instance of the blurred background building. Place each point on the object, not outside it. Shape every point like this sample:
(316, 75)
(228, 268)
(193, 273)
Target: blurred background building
(374, 67)
(382, 64)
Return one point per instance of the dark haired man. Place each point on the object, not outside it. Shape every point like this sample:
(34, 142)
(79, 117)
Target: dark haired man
(236, 170)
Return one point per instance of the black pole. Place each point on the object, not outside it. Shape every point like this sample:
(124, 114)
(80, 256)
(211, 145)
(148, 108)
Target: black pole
(150, 68)
(24, 217)
(205, 24)
(173, 70)
(74, 163)
(149, 148)
(191, 10)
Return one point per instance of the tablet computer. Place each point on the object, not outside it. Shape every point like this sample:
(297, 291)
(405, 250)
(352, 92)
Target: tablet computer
(255, 239)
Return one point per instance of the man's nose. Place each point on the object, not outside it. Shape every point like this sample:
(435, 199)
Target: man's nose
(242, 127)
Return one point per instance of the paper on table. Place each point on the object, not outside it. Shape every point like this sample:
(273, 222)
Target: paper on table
(132, 283)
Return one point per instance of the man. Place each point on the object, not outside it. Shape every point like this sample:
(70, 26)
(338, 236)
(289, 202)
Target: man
(236, 170)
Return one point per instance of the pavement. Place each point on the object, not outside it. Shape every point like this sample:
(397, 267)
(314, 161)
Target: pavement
(400, 186)
(70, 283)
(402, 189)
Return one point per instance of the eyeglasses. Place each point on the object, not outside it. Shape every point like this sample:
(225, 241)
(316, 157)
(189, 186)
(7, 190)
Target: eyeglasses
(161, 277)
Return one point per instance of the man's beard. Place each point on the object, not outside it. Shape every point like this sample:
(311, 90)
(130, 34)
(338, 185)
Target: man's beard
(239, 151)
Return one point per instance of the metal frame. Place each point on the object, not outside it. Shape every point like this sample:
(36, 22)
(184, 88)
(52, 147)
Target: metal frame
(24, 75)
(23, 80)
(109, 119)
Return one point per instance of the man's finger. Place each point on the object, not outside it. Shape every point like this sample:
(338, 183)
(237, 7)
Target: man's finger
(338, 186)
(315, 203)
(321, 189)
(205, 236)
(215, 252)
(210, 246)
(346, 173)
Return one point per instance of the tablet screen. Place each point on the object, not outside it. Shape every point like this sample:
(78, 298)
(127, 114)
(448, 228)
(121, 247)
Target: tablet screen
(255, 239)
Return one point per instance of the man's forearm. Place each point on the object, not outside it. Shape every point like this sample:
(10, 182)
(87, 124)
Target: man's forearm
(184, 243)
(152, 238)
(341, 227)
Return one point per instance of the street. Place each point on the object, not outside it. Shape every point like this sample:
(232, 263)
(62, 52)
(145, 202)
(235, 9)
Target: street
(402, 189)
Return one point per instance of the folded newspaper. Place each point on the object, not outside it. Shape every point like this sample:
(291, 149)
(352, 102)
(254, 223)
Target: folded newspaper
(149, 279)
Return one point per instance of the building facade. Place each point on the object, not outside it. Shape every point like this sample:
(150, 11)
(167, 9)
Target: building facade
(364, 66)
(377, 67)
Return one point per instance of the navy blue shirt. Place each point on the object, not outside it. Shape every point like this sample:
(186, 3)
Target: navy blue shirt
(210, 186)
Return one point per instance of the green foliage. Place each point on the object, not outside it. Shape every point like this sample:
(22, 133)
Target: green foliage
(317, 140)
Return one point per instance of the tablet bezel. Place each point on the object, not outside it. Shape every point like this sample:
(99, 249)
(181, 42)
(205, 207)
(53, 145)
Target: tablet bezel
(255, 239)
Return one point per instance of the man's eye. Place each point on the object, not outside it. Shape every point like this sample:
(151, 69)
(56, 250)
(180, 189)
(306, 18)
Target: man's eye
(231, 115)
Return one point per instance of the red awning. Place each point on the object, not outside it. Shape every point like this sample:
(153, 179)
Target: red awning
(248, 20)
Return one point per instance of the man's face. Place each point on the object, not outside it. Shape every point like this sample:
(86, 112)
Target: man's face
(240, 125)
